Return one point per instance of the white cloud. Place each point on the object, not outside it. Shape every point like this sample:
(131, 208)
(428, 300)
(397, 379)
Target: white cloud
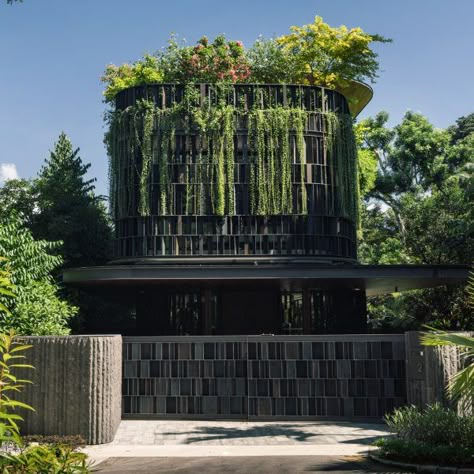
(8, 171)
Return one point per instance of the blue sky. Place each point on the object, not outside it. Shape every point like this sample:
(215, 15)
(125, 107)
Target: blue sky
(53, 52)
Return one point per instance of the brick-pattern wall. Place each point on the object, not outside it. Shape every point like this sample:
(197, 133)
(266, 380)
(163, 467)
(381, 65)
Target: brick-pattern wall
(263, 376)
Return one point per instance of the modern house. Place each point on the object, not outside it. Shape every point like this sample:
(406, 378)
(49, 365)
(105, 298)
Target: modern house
(236, 212)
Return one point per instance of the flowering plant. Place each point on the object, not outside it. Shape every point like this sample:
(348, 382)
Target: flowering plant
(312, 54)
(220, 60)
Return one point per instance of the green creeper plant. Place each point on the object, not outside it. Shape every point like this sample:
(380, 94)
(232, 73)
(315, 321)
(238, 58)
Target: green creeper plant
(144, 134)
(10, 355)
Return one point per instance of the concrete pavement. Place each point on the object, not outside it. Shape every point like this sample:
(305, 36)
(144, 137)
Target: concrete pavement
(221, 439)
(245, 465)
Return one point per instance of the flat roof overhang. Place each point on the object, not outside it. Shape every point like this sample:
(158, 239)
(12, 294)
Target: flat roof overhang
(374, 279)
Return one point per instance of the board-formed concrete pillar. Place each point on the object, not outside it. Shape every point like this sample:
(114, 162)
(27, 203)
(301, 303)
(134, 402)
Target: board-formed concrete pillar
(76, 386)
(428, 370)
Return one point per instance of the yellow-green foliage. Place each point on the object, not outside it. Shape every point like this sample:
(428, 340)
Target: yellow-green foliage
(329, 56)
(121, 77)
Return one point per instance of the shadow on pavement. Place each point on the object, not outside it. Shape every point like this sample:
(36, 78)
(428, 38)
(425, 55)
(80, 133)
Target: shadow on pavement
(294, 432)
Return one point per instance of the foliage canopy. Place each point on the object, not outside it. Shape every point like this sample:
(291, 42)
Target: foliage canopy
(37, 308)
(311, 54)
(419, 211)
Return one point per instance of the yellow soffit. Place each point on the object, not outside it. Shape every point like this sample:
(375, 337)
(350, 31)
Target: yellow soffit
(357, 94)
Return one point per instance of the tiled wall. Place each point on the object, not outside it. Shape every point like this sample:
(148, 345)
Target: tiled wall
(263, 376)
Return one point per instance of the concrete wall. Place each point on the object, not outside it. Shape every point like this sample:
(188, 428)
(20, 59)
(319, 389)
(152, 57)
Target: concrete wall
(77, 386)
(428, 370)
(333, 376)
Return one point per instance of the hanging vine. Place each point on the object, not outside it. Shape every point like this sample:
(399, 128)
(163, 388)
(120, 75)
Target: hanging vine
(341, 149)
(141, 142)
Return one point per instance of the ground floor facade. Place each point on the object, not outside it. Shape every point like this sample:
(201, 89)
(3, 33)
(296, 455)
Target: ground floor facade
(274, 377)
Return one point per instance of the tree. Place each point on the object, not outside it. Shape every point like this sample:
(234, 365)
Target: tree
(330, 56)
(37, 308)
(418, 211)
(463, 128)
(69, 210)
(19, 196)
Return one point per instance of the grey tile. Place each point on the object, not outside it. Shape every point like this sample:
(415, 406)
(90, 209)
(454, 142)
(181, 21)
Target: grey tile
(209, 405)
(307, 351)
(291, 369)
(291, 350)
(145, 368)
(130, 369)
(136, 351)
(264, 407)
(343, 369)
(199, 351)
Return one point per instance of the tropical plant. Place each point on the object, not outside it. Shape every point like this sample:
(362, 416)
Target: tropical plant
(10, 354)
(43, 312)
(461, 385)
(6, 287)
(46, 458)
(37, 306)
(433, 435)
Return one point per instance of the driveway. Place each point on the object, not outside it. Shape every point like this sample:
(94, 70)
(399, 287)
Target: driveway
(245, 465)
(155, 445)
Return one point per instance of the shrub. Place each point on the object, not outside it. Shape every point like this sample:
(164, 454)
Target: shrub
(412, 451)
(50, 459)
(10, 361)
(311, 54)
(435, 434)
(74, 441)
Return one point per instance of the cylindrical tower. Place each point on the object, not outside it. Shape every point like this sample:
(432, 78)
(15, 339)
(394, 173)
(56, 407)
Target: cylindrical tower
(259, 181)
(233, 171)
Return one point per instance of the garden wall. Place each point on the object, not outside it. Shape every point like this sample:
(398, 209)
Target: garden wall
(429, 370)
(350, 376)
(79, 389)
(76, 386)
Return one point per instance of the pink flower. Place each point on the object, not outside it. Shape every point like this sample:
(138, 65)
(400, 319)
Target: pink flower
(239, 44)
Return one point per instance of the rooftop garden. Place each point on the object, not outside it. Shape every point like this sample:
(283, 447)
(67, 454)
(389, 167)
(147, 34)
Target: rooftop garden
(312, 54)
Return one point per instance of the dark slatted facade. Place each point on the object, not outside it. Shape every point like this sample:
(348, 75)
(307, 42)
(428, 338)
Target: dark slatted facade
(321, 231)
